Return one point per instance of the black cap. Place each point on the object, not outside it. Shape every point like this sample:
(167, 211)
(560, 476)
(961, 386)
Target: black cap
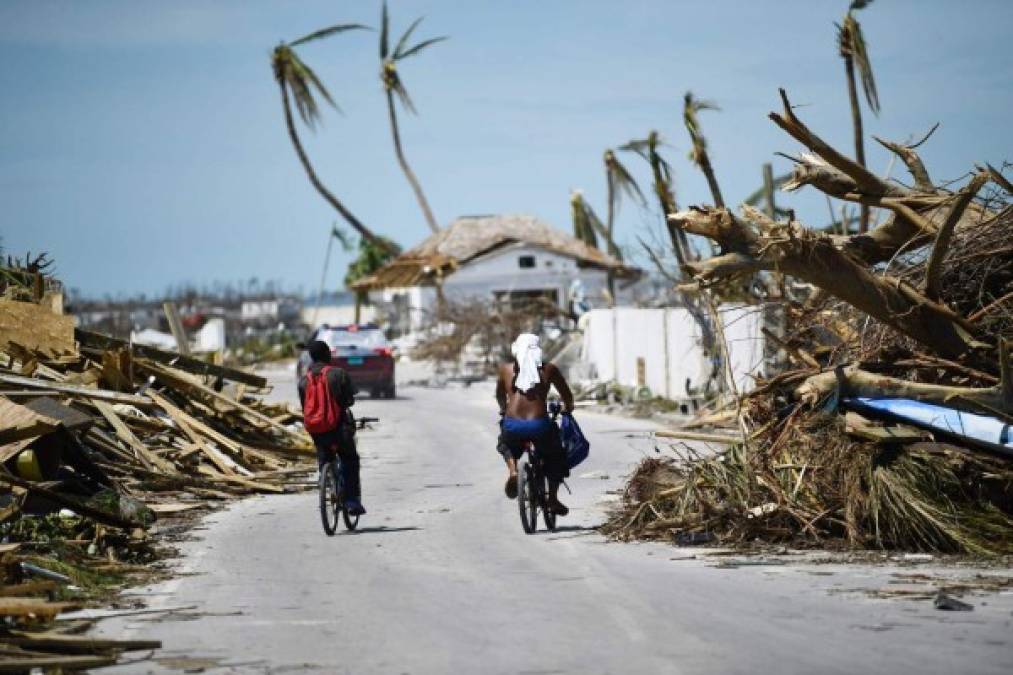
(320, 352)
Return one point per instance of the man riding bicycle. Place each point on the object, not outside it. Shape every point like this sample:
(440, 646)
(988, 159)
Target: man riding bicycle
(337, 387)
(522, 391)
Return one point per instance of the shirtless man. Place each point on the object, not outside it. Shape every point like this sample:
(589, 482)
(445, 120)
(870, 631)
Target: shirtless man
(522, 390)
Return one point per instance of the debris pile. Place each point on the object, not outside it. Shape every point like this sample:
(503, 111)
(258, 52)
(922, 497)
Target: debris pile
(98, 440)
(890, 427)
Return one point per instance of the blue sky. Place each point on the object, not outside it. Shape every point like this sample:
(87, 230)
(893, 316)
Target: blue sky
(142, 143)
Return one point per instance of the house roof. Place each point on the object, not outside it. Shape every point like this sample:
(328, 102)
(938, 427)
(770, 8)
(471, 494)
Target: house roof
(471, 236)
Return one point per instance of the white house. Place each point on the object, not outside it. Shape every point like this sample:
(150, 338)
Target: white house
(496, 258)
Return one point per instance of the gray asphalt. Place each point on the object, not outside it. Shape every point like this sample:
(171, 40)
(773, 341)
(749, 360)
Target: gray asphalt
(441, 579)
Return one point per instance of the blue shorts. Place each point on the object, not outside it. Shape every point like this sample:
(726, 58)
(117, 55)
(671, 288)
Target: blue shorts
(544, 433)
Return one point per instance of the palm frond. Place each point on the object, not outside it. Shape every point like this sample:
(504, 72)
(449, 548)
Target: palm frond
(620, 182)
(394, 83)
(859, 4)
(581, 215)
(640, 147)
(689, 115)
(403, 42)
(327, 32)
(864, 65)
(301, 81)
(420, 46)
(384, 32)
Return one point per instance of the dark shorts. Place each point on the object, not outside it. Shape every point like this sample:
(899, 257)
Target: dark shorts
(544, 433)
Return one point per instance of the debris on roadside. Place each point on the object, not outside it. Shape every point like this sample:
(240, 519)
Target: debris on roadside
(888, 426)
(99, 439)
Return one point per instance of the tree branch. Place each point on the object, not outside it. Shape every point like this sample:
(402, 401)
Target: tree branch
(913, 162)
(856, 382)
(866, 181)
(934, 268)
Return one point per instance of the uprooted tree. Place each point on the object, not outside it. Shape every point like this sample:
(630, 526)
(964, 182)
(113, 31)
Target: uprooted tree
(915, 308)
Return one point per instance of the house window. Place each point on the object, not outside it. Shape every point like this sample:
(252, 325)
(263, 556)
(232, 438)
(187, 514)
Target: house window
(526, 262)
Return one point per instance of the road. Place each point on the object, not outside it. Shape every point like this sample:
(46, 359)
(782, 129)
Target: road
(441, 579)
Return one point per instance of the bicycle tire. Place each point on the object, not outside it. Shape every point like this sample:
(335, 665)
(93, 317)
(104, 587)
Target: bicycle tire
(527, 498)
(328, 500)
(549, 514)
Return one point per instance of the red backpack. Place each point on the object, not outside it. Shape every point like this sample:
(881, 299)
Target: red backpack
(321, 413)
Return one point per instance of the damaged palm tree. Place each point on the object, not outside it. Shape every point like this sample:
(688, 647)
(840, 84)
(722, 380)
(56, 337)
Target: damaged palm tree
(661, 171)
(297, 82)
(698, 151)
(915, 311)
(620, 183)
(852, 48)
(393, 85)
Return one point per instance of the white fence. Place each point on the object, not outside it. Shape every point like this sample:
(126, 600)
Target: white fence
(661, 348)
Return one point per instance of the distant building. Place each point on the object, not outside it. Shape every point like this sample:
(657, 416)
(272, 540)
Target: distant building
(496, 258)
(268, 311)
(335, 309)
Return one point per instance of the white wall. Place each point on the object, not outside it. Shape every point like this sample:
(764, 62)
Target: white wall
(669, 342)
(335, 315)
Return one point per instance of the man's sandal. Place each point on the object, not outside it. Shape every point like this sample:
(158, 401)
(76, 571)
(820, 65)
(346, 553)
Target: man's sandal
(511, 487)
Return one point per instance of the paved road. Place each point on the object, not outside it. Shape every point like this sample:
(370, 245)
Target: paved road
(440, 579)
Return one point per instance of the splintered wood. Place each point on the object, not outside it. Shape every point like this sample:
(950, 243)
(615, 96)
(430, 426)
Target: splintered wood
(119, 435)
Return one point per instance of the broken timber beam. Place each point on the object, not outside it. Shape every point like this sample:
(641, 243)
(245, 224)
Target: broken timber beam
(75, 390)
(186, 363)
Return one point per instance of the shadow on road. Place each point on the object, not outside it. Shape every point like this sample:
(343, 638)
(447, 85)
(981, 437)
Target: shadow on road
(382, 529)
(573, 528)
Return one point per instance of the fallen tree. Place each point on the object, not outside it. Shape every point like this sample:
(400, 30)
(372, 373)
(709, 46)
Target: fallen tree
(916, 309)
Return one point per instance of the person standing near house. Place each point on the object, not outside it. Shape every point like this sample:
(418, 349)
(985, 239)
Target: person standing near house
(522, 391)
(327, 395)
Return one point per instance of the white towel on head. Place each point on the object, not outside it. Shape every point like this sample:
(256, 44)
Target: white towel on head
(529, 357)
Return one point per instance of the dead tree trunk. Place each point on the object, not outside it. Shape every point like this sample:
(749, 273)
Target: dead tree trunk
(813, 257)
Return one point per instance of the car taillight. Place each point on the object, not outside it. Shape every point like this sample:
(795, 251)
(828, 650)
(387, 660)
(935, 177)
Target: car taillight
(382, 351)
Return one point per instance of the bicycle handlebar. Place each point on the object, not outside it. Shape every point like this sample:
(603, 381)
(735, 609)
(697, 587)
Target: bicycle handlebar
(361, 422)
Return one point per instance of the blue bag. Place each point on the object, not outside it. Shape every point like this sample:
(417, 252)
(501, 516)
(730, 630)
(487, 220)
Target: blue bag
(574, 442)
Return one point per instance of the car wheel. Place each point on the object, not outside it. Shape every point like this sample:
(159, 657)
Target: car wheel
(392, 390)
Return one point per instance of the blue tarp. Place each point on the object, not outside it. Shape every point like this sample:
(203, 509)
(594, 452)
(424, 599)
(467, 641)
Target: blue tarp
(982, 428)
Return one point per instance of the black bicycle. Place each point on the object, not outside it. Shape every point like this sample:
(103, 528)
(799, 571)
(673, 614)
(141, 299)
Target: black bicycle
(332, 490)
(533, 486)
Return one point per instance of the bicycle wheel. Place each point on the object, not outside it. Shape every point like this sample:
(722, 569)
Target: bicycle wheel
(550, 516)
(527, 497)
(329, 503)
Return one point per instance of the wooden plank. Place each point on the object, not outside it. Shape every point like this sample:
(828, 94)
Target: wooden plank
(185, 363)
(173, 379)
(29, 588)
(123, 432)
(186, 424)
(71, 418)
(33, 660)
(75, 390)
(179, 507)
(35, 327)
(39, 607)
(19, 426)
(697, 436)
(244, 482)
(49, 640)
(176, 327)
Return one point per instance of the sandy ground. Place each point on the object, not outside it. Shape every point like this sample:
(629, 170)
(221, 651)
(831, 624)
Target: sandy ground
(440, 578)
